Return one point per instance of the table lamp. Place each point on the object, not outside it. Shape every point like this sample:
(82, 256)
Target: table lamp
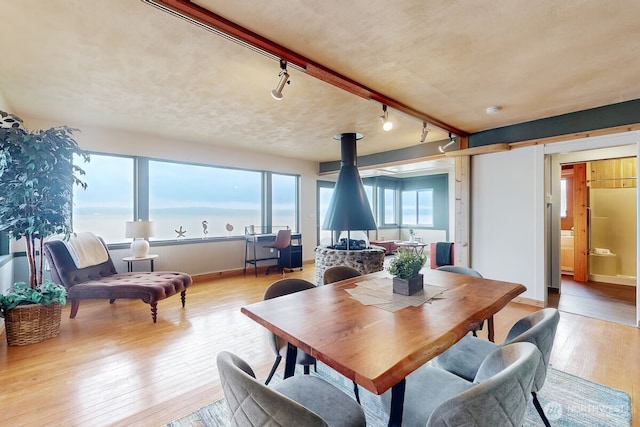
(139, 231)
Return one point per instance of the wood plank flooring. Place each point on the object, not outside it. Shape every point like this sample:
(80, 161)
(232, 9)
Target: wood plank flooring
(111, 366)
(604, 301)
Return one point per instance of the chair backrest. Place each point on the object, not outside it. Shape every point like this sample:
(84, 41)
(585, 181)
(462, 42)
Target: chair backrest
(277, 289)
(254, 404)
(460, 270)
(64, 270)
(538, 328)
(500, 396)
(283, 239)
(441, 253)
(338, 273)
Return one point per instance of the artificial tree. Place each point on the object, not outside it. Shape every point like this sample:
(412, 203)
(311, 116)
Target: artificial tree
(37, 175)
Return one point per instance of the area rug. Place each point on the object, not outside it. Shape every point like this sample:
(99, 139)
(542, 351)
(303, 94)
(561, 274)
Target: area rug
(567, 400)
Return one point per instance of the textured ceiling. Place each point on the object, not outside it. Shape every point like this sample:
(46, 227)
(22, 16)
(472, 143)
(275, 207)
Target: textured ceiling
(126, 65)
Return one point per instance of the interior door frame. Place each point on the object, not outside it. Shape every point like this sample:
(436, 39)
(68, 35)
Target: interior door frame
(625, 144)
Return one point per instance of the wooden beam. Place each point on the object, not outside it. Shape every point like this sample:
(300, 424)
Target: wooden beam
(493, 148)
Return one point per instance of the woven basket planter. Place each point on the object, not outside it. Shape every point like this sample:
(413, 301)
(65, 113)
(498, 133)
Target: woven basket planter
(33, 323)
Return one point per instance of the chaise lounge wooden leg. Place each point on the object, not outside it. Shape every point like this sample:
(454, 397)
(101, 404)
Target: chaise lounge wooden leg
(112, 300)
(74, 308)
(154, 311)
(183, 297)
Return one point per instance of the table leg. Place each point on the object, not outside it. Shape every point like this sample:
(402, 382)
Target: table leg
(129, 266)
(152, 268)
(290, 361)
(397, 404)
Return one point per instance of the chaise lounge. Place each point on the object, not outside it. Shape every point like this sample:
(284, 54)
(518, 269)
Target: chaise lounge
(102, 281)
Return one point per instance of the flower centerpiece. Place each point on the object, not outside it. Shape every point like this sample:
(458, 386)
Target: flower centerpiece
(37, 174)
(405, 268)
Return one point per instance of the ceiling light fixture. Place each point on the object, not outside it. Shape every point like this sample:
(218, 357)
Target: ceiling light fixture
(284, 79)
(451, 142)
(495, 109)
(386, 123)
(425, 132)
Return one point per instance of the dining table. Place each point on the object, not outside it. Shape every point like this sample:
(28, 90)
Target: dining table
(376, 345)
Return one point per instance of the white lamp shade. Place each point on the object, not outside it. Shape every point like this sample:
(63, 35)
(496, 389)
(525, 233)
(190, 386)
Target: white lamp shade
(139, 229)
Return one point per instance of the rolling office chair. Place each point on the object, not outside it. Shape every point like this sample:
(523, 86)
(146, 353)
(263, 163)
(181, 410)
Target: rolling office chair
(283, 241)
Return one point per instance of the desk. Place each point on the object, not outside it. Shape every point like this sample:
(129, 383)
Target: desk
(373, 347)
(252, 241)
(130, 260)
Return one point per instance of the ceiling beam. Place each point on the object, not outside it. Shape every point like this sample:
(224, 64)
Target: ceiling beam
(202, 17)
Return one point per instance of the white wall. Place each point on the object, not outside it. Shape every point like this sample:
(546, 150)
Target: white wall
(207, 256)
(507, 222)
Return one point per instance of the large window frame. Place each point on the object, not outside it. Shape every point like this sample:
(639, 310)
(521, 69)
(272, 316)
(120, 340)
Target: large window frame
(141, 187)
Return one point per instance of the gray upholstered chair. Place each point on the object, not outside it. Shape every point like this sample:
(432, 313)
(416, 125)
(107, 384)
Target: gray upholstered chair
(497, 395)
(539, 328)
(473, 273)
(279, 345)
(338, 273)
(297, 401)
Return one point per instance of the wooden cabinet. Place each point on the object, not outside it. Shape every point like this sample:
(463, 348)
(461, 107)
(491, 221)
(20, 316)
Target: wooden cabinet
(566, 254)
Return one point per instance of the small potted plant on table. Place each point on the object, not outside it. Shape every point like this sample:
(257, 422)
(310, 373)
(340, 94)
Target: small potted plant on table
(405, 268)
(36, 177)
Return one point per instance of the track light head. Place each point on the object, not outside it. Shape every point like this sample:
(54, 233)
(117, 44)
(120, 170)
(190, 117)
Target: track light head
(451, 142)
(425, 132)
(387, 125)
(284, 79)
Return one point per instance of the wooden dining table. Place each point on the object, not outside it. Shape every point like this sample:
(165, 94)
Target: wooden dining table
(374, 347)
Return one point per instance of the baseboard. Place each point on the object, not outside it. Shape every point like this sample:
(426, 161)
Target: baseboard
(213, 275)
(616, 280)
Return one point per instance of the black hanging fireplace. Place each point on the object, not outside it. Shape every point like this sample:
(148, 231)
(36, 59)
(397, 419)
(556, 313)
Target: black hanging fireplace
(349, 208)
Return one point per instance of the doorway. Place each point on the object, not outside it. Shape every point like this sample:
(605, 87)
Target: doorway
(594, 245)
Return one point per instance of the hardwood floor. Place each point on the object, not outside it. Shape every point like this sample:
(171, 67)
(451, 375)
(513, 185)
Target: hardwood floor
(604, 301)
(112, 367)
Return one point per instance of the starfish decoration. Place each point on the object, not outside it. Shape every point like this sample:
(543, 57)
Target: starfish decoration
(180, 232)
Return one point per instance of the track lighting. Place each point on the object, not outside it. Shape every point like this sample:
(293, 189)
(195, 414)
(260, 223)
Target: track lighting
(451, 141)
(284, 79)
(386, 123)
(425, 132)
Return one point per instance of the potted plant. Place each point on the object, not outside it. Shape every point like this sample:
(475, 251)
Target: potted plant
(36, 176)
(405, 268)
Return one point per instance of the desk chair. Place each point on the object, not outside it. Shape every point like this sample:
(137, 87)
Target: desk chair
(283, 241)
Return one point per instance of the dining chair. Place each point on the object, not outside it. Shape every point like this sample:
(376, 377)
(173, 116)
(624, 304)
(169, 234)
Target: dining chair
(458, 269)
(298, 400)
(465, 357)
(283, 241)
(338, 273)
(496, 396)
(279, 345)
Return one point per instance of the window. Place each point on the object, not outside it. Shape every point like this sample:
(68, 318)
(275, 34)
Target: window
(107, 203)
(563, 198)
(325, 191)
(389, 203)
(417, 207)
(202, 200)
(284, 199)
